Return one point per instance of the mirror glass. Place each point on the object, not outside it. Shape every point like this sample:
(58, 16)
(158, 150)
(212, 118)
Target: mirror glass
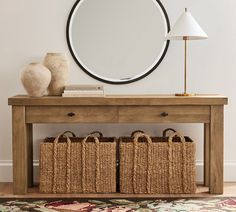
(118, 41)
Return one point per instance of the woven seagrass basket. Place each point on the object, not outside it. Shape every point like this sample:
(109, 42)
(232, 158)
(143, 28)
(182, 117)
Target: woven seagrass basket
(157, 164)
(78, 165)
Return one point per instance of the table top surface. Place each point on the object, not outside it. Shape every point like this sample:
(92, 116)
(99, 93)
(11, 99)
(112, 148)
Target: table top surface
(24, 100)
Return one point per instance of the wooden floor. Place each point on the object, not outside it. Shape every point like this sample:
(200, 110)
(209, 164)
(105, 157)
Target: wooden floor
(6, 192)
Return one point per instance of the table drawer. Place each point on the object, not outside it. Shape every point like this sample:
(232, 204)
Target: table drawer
(165, 114)
(114, 114)
(71, 114)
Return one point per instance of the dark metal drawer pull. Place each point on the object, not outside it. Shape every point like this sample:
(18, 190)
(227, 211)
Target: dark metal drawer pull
(71, 114)
(164, 114)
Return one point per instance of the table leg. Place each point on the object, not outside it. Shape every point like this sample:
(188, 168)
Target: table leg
(216, 149)
(206, 154)
(19, 149)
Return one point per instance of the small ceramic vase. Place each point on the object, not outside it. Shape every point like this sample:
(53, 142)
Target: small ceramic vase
(58, 64)
(35, 79)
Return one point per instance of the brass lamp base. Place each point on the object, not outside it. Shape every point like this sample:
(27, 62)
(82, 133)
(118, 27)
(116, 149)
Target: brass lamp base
(185, 94)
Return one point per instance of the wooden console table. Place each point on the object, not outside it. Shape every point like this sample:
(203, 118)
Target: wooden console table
(207, 109)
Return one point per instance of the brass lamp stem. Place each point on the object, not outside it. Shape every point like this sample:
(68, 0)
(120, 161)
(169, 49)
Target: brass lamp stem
(185, 63)
(185, 66)
(185, 71)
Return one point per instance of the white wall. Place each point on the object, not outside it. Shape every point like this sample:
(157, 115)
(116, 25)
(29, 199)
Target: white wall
(31, 28)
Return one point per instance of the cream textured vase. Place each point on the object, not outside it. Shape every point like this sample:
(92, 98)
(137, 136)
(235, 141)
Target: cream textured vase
(35, 79)
(58, 64)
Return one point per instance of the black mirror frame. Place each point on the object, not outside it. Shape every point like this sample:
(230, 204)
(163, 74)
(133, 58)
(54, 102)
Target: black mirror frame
(112, 82)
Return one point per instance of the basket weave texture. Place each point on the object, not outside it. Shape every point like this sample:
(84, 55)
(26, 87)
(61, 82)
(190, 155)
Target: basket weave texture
(157, 164)
(78, 165)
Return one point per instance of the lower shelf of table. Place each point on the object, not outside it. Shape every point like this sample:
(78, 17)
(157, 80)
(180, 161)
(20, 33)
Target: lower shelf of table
(6, 191)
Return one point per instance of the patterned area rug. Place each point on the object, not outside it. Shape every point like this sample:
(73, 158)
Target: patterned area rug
(122, 205)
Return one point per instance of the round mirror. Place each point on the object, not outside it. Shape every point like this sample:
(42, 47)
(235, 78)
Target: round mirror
(120, 41)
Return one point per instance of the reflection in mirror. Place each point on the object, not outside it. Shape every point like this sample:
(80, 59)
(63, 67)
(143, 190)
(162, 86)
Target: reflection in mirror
(118, 41)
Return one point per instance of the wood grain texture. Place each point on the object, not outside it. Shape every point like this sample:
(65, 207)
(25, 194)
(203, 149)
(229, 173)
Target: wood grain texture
(120, 100)
(216, 150)
(34, 193)
(60, 114)
(206, 154)
(117, 114)
(172, 114)
(6, 191)
(20, 150)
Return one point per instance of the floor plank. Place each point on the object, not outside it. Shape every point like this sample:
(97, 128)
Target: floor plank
(6, 191)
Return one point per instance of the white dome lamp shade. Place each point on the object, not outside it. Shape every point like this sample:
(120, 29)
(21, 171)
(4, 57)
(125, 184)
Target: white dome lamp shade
(186, 28)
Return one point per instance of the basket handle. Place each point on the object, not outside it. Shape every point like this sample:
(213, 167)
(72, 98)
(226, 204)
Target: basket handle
(97, 132)
(182, 139)
(149, 151)
(68, 162)
(56, 140)
(69, 132)
(135, 132)
(142, 135)
(166, 130)
(95, 138)
(97, 153)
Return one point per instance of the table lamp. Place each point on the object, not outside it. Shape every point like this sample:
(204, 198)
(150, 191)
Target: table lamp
(186, 28)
